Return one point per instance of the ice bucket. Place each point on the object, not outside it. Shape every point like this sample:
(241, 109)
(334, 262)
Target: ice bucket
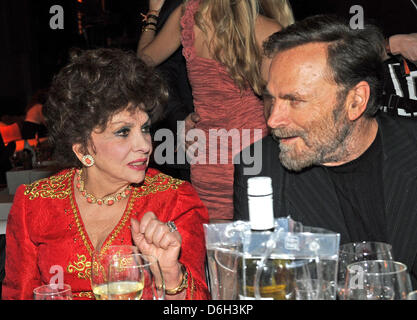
(293, 262)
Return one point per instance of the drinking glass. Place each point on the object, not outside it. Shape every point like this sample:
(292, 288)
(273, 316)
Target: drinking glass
(100, 267)
(135, 277)
(377, 280)
(412, 295)
(53, 292)
(314, 289)
(359, 251)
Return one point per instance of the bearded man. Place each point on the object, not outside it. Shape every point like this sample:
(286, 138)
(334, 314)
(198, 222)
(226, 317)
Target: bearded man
(335, 161)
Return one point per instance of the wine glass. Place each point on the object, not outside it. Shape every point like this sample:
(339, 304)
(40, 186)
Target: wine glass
(377, 280)
(100, 267)
(135, 277)
(53, 292)
(359, 251)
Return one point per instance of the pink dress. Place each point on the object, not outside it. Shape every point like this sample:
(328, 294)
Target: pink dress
(221, 106)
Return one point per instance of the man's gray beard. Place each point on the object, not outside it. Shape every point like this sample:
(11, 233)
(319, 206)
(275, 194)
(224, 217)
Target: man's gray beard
(319, 154)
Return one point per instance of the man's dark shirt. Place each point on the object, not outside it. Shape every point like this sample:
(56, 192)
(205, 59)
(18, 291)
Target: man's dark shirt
(359, 188)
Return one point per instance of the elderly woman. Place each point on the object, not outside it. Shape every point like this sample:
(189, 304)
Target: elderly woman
(99, 112)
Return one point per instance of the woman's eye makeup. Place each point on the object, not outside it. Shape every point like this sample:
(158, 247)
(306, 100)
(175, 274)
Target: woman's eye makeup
(123, 132)
(146, 128)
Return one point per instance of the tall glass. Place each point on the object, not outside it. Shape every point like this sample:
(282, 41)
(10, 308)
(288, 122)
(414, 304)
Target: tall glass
(359, 251)
(377, 280)
(53, 292)
(100, 267)
(135, 277)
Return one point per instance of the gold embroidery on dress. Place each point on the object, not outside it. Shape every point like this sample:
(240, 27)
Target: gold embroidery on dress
(156, 183)
(192, 286)
(54, 187)
(82, 267)
(84, 294)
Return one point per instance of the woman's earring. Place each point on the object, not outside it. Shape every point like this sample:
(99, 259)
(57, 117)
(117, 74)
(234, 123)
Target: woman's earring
(88, 160)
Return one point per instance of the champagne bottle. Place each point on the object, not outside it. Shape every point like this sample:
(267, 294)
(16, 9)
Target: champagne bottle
(276, 279)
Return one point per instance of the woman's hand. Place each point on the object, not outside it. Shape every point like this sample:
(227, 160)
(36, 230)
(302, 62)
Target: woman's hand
(156, 4)
(153, 237)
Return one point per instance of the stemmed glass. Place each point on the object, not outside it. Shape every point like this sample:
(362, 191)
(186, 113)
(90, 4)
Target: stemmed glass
(377, 280)
(359, 251)
(135, 277)
(100, 267)
(53, 292)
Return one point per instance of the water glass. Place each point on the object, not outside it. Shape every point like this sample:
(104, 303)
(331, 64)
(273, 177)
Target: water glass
(53, 292)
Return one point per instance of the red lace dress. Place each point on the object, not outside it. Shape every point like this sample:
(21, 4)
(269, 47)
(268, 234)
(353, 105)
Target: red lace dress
(224, 111)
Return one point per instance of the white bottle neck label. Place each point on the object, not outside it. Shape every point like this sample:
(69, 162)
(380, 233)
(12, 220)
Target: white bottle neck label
(261, 212)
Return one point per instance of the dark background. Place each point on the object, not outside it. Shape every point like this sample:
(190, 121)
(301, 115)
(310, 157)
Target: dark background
(31, 52)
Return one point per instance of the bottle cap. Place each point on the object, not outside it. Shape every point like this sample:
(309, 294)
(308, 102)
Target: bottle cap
(260, 202)
(259, 186)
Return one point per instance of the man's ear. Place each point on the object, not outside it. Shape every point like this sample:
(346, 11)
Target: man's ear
(357, 100)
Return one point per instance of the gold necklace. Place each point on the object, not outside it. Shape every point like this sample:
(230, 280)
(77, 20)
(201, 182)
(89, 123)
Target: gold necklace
(108, 200)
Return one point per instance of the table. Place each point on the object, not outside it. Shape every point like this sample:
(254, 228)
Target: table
(16, 177)
(6, 201)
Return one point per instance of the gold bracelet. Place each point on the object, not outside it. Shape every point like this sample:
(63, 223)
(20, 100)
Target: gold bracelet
(183, 285)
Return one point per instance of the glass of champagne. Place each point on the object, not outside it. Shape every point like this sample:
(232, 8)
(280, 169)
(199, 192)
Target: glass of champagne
(100, 267)
(359, 251)
(135, 277)
(377, 280)
(53, 292)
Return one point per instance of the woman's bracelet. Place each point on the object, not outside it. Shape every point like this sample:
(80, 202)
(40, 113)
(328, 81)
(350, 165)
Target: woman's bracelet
(183, 285)
(144, 29)
(150, 24)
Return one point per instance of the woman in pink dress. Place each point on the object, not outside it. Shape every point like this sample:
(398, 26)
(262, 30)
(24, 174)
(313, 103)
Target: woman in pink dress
(222, 41)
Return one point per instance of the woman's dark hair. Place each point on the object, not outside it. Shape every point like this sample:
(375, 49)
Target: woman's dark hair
(354, 55)
(94, 86)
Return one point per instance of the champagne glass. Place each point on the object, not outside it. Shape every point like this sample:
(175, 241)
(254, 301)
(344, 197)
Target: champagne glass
(377, 280)
(359, 251)
(100, 267)
(135, 277)
(53, 292)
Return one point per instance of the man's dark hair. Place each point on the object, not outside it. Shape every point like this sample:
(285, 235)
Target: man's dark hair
(94, 86)
(354, 55)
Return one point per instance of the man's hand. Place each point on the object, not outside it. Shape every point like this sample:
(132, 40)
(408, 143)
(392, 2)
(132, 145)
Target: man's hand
(405, 45)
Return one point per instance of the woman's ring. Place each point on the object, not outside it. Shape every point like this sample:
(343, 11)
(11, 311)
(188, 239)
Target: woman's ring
(171, 225)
